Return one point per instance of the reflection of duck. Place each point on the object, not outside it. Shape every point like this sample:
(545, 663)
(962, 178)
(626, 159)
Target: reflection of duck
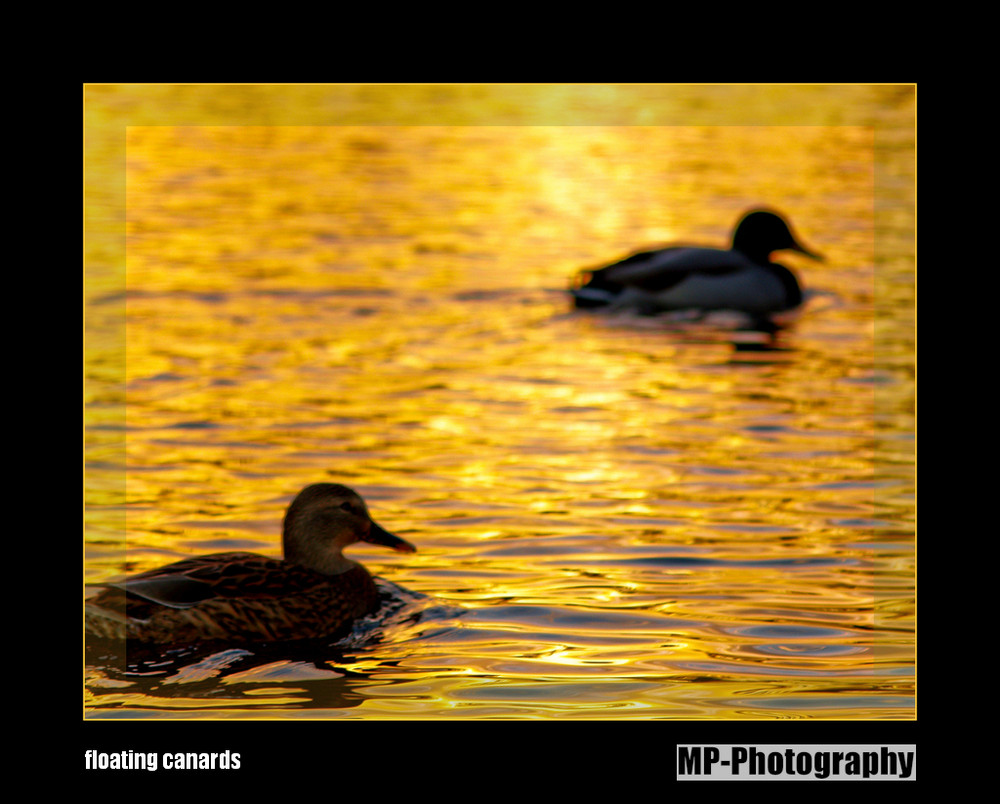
(683, 277)
(314, 592)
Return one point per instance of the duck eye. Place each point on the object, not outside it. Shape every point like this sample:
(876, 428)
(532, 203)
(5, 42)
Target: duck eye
(347, 507)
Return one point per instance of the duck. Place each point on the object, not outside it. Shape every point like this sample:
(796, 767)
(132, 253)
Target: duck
(313, 592)
(742, 278)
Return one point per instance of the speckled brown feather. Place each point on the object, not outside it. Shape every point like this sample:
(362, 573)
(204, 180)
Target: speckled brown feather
(254, 599)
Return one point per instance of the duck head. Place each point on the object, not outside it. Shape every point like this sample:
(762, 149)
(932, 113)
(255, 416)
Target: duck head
(322, 520)
(761, 232)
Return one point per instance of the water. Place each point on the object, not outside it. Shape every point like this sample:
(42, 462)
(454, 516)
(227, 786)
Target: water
(617, 517)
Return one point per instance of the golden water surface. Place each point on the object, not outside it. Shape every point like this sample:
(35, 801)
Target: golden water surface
(616, 517)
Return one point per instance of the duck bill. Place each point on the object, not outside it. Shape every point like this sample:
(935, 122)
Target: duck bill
(379, 535)
(813, 255)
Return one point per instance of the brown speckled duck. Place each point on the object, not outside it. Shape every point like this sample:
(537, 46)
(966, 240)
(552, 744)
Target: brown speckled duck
(315, 591)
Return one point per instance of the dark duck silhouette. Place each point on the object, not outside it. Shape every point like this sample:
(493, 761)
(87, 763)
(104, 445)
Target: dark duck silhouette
(741, 278)
(313, 592)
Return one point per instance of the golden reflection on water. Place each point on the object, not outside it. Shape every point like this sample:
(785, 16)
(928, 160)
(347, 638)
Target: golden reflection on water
(615, 517)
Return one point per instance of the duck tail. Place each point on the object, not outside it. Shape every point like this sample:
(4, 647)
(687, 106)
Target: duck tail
(104, 623)
(590, 289)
